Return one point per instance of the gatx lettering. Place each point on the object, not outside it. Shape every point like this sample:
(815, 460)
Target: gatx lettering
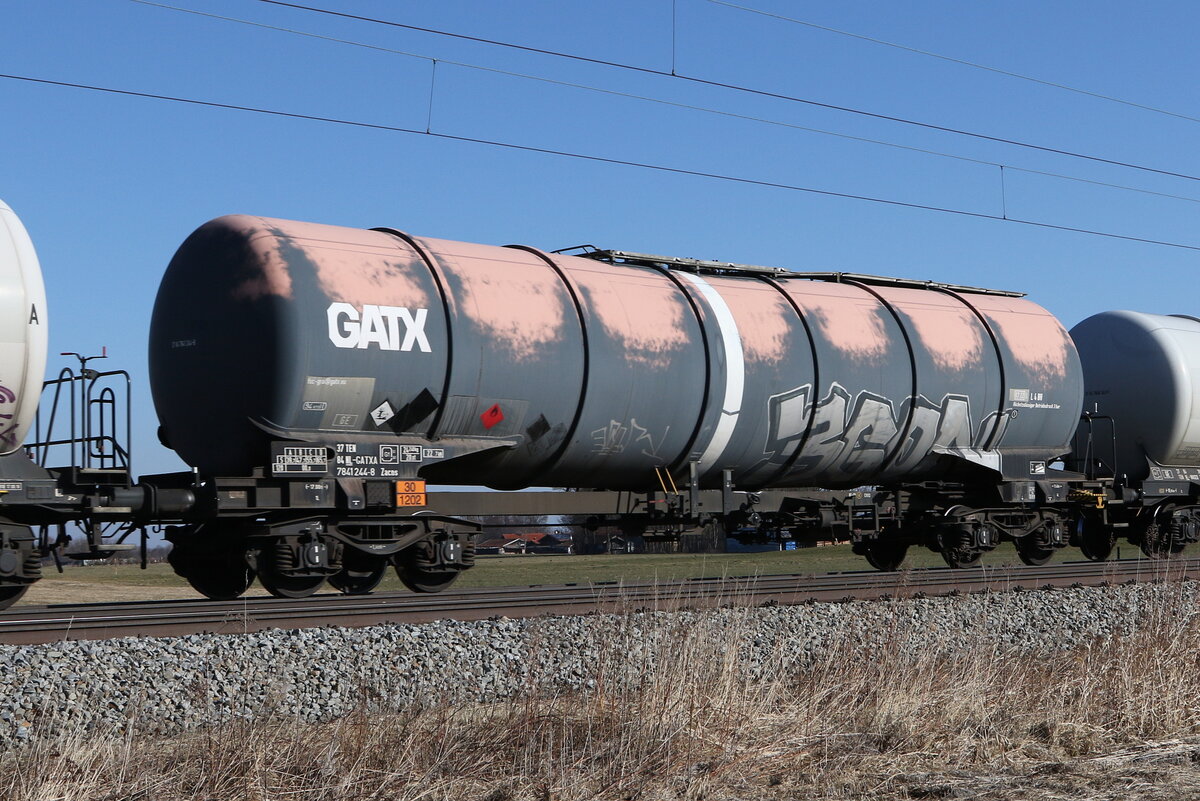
(381, 326)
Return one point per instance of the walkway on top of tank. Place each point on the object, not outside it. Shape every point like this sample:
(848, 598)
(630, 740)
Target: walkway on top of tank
(619, 257)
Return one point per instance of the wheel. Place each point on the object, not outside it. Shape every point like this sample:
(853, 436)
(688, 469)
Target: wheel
(1096, 540)
(291, 586)
(1033, 551)
(962, 557)
(212, 559)
(221, 579)
(1157, 543)
(11, 593)
(422, 580)
(359, 574)
(278, 566)
(884, 555)
(417, 566)
(956, 548)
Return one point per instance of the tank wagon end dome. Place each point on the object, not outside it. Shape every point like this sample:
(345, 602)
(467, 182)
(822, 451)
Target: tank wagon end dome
(23, 331)
(243, 304)
(1143, 371)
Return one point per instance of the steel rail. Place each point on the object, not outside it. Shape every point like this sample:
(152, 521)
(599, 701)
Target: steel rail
(44, 624)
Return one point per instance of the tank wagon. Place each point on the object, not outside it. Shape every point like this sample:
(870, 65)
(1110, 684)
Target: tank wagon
(415, 358)
(319, 379)
(23, 343)
(1140, 430)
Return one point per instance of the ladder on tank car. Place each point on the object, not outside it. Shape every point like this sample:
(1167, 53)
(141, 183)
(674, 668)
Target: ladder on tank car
(82, 434)
(96, 431)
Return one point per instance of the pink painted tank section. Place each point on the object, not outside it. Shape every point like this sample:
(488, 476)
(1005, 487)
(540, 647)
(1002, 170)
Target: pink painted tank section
(764, 318)
(850, 318)
(274, 278)
(1037, 340)
(352, 265)
(948, 330)
(643, 310)
(513, 298)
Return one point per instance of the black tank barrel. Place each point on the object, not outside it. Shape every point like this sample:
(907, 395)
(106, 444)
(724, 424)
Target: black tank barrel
(593, 374)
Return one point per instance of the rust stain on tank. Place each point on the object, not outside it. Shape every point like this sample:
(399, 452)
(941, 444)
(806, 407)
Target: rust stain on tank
(268, 267)
(642, 310)
(764, 318)
(949, 332)
(362, 278)
(1036, 338)
(357, 266)
(849, 319)
(513, 298)
(351, 265)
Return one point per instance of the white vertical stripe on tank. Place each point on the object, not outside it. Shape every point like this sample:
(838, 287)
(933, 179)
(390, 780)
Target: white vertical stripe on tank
(735, 372)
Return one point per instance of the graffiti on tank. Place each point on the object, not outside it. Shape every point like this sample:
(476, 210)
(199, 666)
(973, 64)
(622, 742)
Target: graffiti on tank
(854, 435)
(616, 437)
(8, 426)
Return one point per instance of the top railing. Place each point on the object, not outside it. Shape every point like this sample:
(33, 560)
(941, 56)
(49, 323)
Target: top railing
(84, 420)
(624, 257)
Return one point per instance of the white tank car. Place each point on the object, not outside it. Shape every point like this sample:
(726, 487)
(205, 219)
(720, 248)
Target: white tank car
(1143, 371)
(23, 339)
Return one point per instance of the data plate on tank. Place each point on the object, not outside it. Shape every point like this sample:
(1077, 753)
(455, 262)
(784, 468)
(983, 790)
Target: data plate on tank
(351, 459)
(299, 460)
(385, 460)
(410, 493)
(333, 402)
(1174, 473)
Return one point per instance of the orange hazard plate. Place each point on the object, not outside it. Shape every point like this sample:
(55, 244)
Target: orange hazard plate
(410, 493)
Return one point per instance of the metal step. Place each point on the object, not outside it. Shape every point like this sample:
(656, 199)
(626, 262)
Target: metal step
(103, 476)
(104, 552)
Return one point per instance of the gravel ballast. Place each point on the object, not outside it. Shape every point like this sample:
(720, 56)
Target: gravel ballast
(168, 684)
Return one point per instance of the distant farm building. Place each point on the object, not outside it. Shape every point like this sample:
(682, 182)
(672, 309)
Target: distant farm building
(517, 544)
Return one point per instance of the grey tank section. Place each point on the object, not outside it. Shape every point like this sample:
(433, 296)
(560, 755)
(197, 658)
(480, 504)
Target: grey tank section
(1143, 371)
(564, 371)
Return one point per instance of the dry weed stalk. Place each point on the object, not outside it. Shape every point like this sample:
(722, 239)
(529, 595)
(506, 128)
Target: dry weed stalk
(672, 709)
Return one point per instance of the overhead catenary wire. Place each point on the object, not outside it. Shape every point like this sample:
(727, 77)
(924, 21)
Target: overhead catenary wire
(597, 159)
(434, 61)
(737, 88)
(960, 61)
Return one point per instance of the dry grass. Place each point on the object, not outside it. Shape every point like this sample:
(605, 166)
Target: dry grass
(670, 714)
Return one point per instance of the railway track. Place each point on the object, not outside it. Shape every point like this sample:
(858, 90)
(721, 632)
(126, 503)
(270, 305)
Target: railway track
(43, 624)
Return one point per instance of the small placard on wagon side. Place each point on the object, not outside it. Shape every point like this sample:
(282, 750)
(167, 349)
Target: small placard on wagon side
(410, 493)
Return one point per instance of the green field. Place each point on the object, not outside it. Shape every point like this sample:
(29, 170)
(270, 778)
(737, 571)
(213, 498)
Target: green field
(108, 582)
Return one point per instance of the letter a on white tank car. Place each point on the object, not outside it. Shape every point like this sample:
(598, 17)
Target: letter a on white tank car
(23, 339)
(735, 372)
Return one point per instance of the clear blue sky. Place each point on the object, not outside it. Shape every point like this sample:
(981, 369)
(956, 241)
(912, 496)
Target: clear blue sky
(109, 185)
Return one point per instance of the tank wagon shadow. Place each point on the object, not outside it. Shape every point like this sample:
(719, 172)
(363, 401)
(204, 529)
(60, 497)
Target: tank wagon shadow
(319, 380)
